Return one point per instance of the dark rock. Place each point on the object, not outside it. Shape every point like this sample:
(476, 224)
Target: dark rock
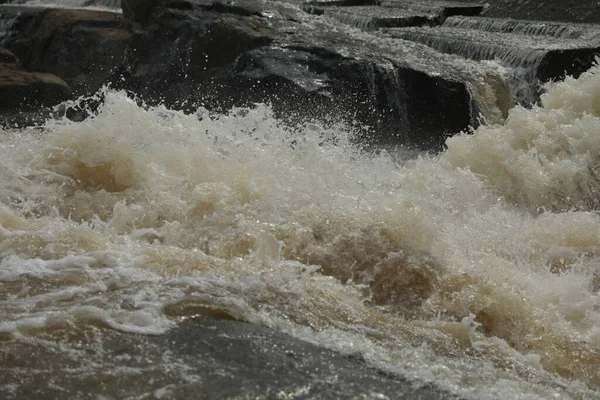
(220, 55)
(396, 102)
(82, 47)
(9, 60)
(442, 9)
(543, 10)
(392, 13)
(375, 17)
(22, 89)
(180, 52)
(220, 60)
(563, 30)
(344, 3)
(202, 358)
(544, 58)
(137, 10)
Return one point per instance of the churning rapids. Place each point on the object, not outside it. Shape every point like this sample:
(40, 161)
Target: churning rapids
(477, 269)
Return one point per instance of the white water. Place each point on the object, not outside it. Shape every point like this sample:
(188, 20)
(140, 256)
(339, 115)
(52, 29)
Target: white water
(477, 270)
(527, 28)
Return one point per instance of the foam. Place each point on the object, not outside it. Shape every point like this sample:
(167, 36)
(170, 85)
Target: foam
(475, 269)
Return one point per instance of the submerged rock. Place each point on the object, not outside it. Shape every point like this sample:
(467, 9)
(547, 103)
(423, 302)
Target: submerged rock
(202, 358)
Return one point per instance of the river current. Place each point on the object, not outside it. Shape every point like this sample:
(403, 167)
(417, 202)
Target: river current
(476, 269)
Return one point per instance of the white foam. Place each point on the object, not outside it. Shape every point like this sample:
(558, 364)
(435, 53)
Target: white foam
(297, 229)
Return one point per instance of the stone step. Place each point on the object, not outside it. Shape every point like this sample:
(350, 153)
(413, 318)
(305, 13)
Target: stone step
(340, 3)
(404, 9)
(443, 9)
(564, 30)
(371, 17)
(546, 58)
(542, 10)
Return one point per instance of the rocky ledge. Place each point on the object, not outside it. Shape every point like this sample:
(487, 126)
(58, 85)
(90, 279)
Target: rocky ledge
(396, 84)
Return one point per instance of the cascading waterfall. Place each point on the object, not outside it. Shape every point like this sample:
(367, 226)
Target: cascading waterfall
(512, 51)
(526, 28)
(369, 18)
(527, 56)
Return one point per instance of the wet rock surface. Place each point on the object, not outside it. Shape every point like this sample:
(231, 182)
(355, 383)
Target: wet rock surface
(443, 9)
(394, 83)
(565, 30)
(20, 89)
(218, 55)
(82, 47)
(202, 358)
(544, 58)
(243, 54)
(543, 10)
(372, 17)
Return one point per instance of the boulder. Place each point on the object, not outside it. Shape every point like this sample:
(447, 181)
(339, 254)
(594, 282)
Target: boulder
(178, 54)
(20, 89)
(9, 60)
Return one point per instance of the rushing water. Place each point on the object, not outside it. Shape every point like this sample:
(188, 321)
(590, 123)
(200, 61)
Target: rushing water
(528, 28)
(476, 269)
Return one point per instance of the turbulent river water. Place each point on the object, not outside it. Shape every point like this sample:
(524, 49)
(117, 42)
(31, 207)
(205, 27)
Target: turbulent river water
(477, 269)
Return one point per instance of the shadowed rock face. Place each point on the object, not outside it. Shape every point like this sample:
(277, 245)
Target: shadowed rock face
(82, 47)
(137, 10)
(20, 89)
(303, 71)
